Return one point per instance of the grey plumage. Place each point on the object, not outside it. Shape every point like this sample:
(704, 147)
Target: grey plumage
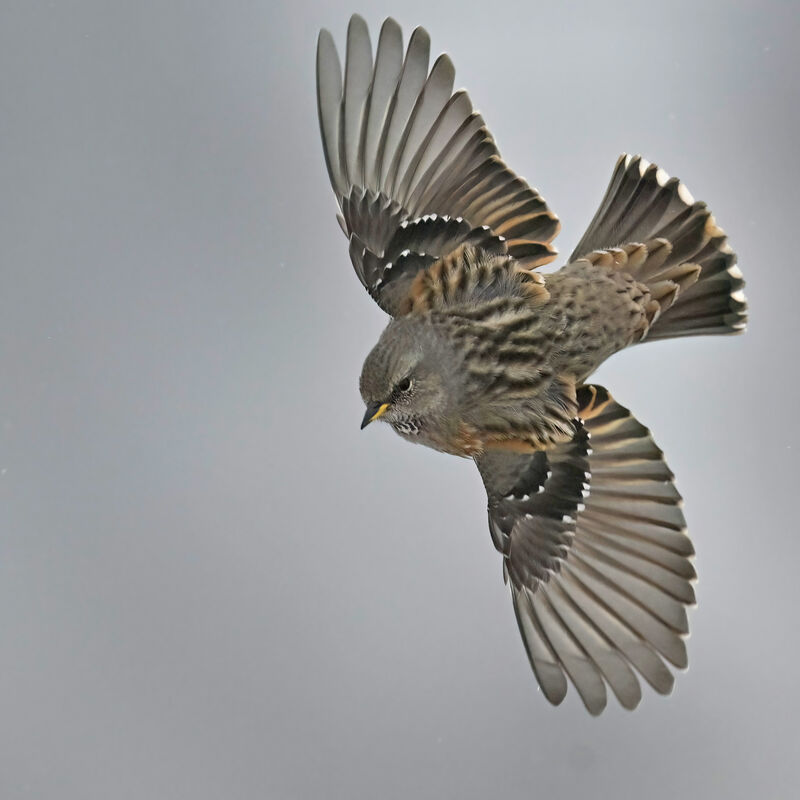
(487, 359)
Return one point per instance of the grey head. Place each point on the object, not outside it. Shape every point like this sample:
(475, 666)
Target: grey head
(411, 379)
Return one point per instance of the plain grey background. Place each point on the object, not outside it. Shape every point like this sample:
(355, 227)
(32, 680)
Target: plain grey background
(211, 584)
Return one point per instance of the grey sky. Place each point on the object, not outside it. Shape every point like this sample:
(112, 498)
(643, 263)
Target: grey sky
(211, 584)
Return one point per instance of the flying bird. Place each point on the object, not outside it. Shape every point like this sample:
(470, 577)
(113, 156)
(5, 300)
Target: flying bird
(486, 358)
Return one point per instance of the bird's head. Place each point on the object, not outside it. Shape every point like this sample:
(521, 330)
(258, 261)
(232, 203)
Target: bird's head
(409, 381)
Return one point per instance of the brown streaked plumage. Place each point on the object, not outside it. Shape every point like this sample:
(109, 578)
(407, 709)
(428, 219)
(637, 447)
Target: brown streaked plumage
(488, 359)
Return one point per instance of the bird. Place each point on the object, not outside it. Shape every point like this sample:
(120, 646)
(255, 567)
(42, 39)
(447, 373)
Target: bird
(487, 357)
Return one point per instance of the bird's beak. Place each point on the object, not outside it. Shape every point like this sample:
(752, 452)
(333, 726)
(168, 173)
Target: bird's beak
(373, 412)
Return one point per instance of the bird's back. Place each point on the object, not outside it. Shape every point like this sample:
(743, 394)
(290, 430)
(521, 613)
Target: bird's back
(511, 320)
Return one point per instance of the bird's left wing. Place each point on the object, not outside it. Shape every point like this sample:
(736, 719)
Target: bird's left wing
(415, 171)
(595, 549)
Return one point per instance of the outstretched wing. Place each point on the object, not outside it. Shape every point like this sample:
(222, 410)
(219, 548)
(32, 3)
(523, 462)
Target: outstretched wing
(415, 171)
(595, 548)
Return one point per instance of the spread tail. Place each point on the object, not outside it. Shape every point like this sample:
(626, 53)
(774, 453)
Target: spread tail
(650, 225)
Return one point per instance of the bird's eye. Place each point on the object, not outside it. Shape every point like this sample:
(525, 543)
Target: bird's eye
(404, 385)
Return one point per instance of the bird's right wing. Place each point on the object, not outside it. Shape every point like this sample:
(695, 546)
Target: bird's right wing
(595, 548)
(415, 171)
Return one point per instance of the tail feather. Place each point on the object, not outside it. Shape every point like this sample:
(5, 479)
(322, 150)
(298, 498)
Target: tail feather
(674, 246)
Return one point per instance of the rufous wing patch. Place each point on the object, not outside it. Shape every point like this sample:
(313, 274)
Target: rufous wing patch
(467, 272)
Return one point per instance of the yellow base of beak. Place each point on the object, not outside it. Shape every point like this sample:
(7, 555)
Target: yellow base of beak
(373, 414)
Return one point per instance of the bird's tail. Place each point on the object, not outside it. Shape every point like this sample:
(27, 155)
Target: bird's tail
(650, 225)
